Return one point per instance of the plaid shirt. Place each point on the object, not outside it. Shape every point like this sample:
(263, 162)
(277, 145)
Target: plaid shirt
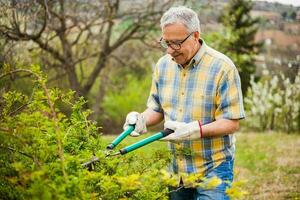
(207, 89)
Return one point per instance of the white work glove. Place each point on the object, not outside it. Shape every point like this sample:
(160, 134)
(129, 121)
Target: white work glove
(182, 131)
(137, 119)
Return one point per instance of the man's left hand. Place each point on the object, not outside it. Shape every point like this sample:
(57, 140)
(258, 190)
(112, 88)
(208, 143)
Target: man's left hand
(182, 131)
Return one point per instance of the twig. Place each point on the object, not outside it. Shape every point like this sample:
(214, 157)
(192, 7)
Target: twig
(20, 152)
(90, 163)
(23, 106)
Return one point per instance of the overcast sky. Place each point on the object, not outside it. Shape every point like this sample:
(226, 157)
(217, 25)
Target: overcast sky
(293, 2)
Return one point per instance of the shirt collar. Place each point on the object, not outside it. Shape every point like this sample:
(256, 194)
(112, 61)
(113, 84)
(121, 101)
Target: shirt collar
(197, 57)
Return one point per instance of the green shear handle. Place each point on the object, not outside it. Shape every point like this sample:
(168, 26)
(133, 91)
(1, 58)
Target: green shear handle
(129, 148)
(145, 141)
(121, 137)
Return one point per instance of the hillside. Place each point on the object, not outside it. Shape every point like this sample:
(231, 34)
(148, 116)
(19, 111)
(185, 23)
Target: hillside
(279, 31)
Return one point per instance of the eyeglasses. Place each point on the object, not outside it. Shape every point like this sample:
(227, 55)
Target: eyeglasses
(174, 45)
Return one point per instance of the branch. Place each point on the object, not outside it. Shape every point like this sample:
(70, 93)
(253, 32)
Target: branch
(19, 35)
(85, 28)
(14, 33)
(20, 152)
(106, 50)
(118, 59)
(126, 35)
(86, 57)
(50, 50)
(22, 106)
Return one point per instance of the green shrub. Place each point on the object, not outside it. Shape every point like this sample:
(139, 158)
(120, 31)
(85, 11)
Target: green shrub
(42, 151)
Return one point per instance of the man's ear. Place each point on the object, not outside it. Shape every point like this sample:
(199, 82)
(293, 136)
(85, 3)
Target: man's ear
(197, 35)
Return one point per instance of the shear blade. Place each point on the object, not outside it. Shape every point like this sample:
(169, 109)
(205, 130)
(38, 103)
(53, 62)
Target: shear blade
(113, 154)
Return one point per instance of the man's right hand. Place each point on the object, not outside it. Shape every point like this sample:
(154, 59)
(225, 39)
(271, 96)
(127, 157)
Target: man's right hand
(137, 119)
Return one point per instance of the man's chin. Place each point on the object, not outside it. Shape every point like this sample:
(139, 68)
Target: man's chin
(178, 61)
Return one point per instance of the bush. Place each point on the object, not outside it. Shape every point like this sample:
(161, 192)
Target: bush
(273, 103)
(42, 151)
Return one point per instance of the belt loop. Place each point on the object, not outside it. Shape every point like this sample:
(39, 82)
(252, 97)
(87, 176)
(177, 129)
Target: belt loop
(180, 182)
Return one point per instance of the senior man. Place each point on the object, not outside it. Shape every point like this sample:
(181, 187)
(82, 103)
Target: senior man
(197, 91)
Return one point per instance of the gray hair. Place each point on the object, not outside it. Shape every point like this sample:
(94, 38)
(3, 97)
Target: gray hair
(183, 15)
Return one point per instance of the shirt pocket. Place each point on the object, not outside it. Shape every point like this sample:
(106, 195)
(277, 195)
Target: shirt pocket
(203, 106)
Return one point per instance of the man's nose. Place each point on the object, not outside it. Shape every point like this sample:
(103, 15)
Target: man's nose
(170, 50)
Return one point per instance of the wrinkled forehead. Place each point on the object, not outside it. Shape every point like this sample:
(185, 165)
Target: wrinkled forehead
(175, 29)
(177, 23)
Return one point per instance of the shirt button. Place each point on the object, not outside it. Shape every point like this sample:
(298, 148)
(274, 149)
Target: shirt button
(184, 74)
(180, 110)
(182, 93)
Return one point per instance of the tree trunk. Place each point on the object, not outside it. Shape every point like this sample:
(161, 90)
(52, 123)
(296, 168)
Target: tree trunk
(97, 108)
(73, 80)
(93, 76)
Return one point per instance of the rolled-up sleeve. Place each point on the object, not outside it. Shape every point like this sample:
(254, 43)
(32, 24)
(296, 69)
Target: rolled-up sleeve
(153, 99)
(229, 98)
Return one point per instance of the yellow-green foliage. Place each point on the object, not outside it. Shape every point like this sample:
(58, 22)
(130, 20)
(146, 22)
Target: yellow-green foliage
(237, 191)
(42, 151)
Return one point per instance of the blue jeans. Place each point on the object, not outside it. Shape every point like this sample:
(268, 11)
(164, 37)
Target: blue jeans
(224, 171)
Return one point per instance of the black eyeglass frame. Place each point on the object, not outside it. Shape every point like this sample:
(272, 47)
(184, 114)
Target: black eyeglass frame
(166, 45)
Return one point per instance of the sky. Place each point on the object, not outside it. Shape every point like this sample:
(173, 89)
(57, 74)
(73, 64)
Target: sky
(293, 2)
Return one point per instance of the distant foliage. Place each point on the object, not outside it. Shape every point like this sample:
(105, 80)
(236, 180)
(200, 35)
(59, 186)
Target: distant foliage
(273, 103)
(117, 103)
(237, 39)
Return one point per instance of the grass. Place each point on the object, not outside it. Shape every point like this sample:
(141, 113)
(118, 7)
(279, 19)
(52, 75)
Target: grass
(268, 162)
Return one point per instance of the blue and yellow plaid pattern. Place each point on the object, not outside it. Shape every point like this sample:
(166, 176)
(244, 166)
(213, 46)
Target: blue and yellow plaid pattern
(207, 89)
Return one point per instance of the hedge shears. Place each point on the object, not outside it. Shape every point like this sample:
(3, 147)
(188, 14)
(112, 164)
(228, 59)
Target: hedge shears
(132, 147)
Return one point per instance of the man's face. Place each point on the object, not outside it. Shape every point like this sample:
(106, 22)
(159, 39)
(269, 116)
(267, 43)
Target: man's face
(174, 33)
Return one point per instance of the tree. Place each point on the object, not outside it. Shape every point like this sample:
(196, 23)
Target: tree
(76, 40)
(293, 15)
(238, 40)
